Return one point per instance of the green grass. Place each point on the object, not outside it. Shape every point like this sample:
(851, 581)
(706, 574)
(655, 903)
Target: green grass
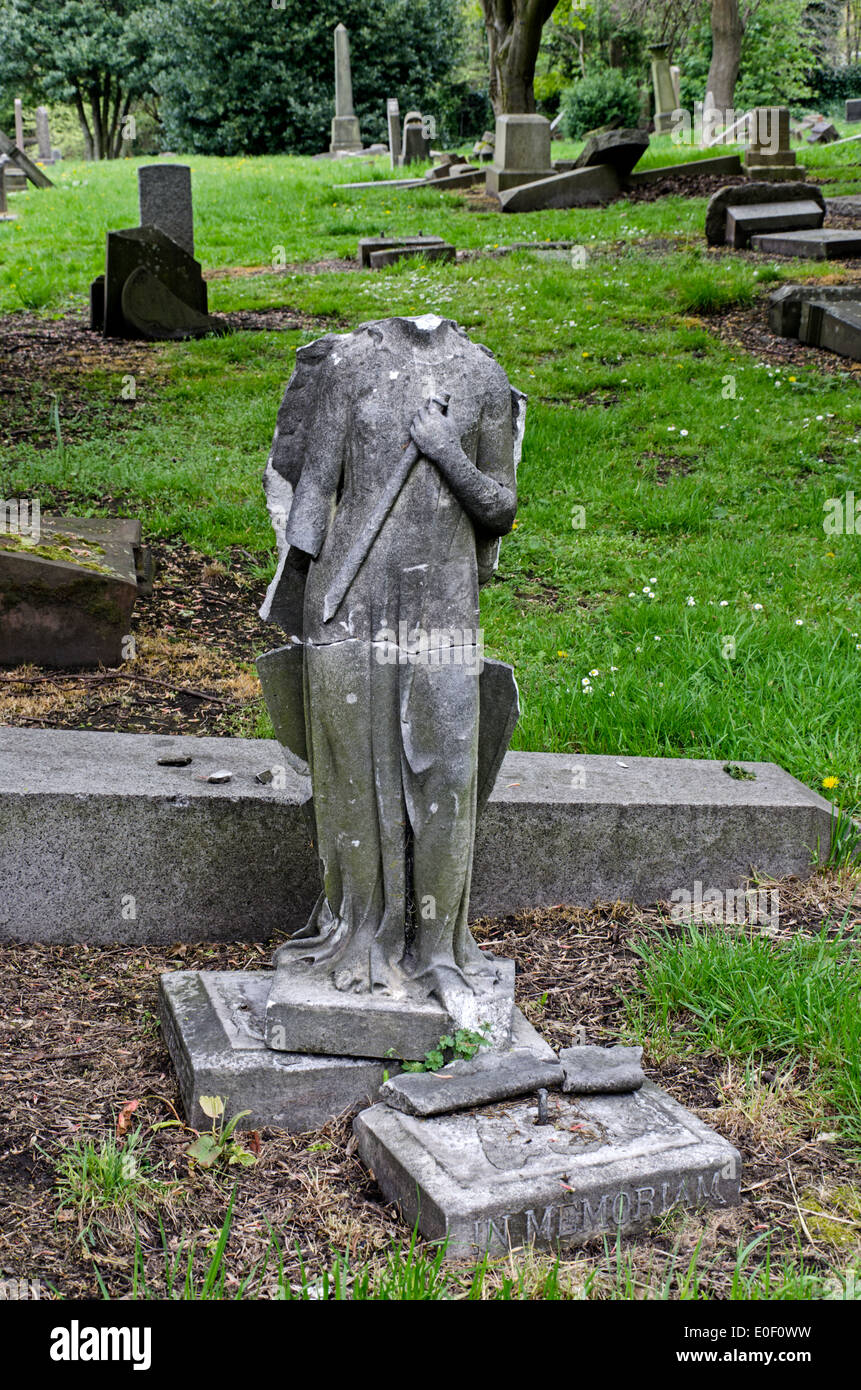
(722, 992)
(106, 1183)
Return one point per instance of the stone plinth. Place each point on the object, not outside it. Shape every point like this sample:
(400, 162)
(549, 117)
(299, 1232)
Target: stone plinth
(493, 1178)
(769, 154)
(521, 153)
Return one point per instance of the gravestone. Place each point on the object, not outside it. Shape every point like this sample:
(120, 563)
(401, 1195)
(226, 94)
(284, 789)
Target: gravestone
(853, 110)
(4, 212)
(620, 149)
(769, 154)
(19, 123)
(662, 83)
(484, 148)
(67, 593)
(416, 244)
(784, 305)
(743, 222)
(43, 135)
(164, 197)
(521, 153)
(822, 245)
(416, 143)
(390, 255)
(346, 136)
(37, 176)
(147, 248)
(590, 187)
(393, 119)
(823, 133)
(834, 326)
(153, 311)
(753, 194)
(676, 75)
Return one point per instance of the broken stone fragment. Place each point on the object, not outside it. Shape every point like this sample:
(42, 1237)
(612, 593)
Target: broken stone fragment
(175, 760)
(219, 777)
(462, 1084)
(596, 1070)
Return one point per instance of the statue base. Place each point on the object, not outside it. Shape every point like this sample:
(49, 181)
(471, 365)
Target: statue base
(307, 1014)
(346, 135)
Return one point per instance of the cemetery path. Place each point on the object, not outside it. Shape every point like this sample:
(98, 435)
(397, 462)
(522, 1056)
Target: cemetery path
(81, 1041)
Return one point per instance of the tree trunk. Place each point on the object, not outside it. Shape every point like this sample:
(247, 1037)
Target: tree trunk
(514, 36)
(727, 34)
(84, 124)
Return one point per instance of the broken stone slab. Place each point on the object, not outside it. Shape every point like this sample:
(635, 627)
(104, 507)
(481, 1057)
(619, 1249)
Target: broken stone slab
(742, 222)
(491, 1179)
(620, 149)
(369, 244)
(157, 314)
(461, 1085)
(307, 1013)
(589, 1070)
(89, 817)
(24, 163)
(847, 206)
(579, 188)
(380, 259)
(823, 133)
(146, 247)
(213, 1022)
(784, 305)
(822, 245)
(836, 327)
(693, 168)
(67, 594)
(745, 195)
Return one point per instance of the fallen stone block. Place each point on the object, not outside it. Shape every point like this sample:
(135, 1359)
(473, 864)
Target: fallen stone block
(746, 195)
(597, 1070)
(488, 1180)
(848, 206)
(368, 245)
(693, 168)
(462, 1085)
(836, 327)
(380, 259)
(784, 305)
(823, 133)
(743, 222)
(822, 245)
(579, 188)
(91, 818)
(620, 149)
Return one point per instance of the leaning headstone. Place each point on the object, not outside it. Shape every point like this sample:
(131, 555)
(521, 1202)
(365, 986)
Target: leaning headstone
(621, 149)
(490, 1179)
(346, 136)
(521, 153)
(43, 135)
(19, 123)
(36, 175)
(785, 304)
(749, 194)
(416, 144)
(662, 83)
(393, 119)
(769, 154)
(853, 110)
(66, 595)
(164, 196)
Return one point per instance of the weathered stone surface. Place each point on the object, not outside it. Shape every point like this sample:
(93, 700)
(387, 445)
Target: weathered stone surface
(392, 254)
(662, 82)
(306, 1013)
(599, 1070)
(43, 135)
(36, 175)
(836, 327)
(213, 1025)
(416, 143)
(369, 244)
(580, 188)
(66, 596)
(462, 1085)
(848, 206)
(15, 180)
(88, 817)
(149, 249)
(743, 222)
(853, 110)
(521, 154)
(154, 312)
(823, 133)
(393, 121)
(784, 305)
(620, 149)
(164, 195)
(491, 1179)
(822, 245)
(745, 195)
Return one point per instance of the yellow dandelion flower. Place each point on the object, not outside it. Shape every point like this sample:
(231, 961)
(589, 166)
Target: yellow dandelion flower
(830, 782)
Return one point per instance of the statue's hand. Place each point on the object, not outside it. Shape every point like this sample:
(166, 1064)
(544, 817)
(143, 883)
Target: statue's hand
(435, 435)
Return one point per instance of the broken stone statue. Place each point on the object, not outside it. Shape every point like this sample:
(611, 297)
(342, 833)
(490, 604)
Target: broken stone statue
(387, 528)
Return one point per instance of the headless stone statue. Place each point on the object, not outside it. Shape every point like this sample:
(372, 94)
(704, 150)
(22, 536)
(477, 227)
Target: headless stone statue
(391, 478)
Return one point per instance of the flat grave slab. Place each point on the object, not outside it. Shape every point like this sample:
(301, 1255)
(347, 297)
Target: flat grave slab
(836, 327)
(785, 304)
(369, 245)
(758, 191)
(822, 245)
(214, 1024)
(590, 187)
(91, 817)
(379, 260)
(744, 222)
(492, 1178)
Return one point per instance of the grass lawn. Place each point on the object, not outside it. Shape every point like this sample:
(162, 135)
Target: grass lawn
(669, 588)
